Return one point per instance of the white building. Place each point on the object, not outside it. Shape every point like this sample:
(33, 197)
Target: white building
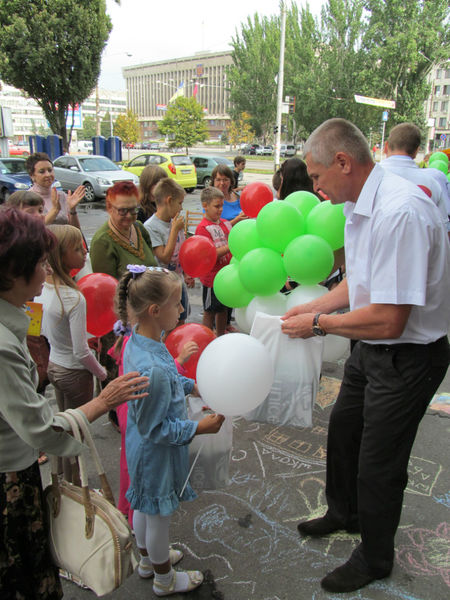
(437, 108)
(28, 118)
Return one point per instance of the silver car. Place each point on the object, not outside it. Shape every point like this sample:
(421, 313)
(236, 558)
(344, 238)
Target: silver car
(97, 173)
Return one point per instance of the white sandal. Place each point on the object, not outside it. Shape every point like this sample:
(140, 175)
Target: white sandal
(195, 579)
(146, 570)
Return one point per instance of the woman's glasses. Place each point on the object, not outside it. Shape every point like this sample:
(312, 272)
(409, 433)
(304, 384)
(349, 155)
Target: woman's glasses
(123, 212)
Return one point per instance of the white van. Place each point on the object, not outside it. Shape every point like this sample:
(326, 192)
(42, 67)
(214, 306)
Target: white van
(85, 147)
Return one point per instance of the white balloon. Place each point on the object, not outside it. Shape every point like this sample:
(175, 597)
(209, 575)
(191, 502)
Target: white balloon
(234, 374)
(271, 305)
(334, 347)
(303, 294)
(240, 315)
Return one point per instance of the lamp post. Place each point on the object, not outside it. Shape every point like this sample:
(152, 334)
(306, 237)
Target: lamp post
(97, 100)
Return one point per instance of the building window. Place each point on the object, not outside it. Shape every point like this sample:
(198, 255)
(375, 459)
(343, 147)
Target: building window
(446, 90)
(435, 106)
(438, 73)
(447, 73)
(444, 106)
(437, 90)
(443, 122)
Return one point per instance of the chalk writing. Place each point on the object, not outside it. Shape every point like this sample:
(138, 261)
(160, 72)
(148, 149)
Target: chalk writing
(444, 499)
(423, 475)
(290, 441)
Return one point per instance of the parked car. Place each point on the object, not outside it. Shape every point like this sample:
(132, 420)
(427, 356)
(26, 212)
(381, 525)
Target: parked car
(264, 151)
(177, 166)
(13, 177)
(155, 146)
(205, 166)
(97, 173)
(250, 149)
(18, 149)
(287, 150)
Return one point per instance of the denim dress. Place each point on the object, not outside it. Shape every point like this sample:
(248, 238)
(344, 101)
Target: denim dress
(158, 430)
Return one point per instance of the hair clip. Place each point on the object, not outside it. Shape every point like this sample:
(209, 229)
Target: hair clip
(121, 329)
(136, 270)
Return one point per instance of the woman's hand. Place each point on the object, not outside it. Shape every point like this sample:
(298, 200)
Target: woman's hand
(240, 217)
(56, 207)
(124, 388)
(210, 424)
(74, 198)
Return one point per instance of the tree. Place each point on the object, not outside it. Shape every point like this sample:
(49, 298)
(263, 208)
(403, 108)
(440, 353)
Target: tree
(240, 130)
(89, 128)
(184, 123)
(105, 126)
(52, 50)
(127, 127)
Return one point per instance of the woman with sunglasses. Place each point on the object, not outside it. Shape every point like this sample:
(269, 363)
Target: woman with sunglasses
(122, 240)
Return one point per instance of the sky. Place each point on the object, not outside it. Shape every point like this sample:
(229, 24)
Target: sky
(147, 31)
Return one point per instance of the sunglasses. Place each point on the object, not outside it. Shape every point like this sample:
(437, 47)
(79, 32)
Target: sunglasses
(123, 212)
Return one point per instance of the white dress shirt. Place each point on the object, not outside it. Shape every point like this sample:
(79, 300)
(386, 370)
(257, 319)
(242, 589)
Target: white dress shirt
(397, 252)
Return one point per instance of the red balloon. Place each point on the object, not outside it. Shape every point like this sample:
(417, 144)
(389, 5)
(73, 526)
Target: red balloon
(191, 332)
(197, 255)
(254, 196)
(99, 290)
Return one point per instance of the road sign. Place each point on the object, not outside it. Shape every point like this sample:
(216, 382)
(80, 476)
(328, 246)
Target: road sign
(375, 101)
(385, 115)
(443, 137)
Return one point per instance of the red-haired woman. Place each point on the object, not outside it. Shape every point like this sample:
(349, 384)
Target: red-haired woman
(122, 240)
(27, 422)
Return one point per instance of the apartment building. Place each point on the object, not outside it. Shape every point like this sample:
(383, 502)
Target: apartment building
(437, 108)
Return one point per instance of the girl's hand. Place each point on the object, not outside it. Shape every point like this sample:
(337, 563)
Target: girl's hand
(210, 424)
(187, 351)
(190, 281)
(195, 392)
(75, 198)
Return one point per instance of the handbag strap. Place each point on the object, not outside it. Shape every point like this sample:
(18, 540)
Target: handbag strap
(84, 428)
(88, 507)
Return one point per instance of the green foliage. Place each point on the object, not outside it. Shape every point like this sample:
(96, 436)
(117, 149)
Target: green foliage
(127, 127)
(89, 128)
(368, 47)
(184, 123)
(52, 50)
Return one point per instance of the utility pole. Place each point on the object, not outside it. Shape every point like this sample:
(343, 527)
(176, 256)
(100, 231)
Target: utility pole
(280, 86)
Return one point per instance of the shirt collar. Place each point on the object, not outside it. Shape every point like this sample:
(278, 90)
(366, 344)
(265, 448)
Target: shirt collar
(400, 160)
(364, 204)
(15, 319)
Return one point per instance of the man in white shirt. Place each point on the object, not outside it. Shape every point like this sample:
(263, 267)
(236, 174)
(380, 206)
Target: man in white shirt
(401, 149)
(397, 288)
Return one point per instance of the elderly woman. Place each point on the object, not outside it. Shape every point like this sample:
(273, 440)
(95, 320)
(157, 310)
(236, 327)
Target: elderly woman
(122, 239)
(147, 182)
(222, 179)
(58, 207)
(27, 422)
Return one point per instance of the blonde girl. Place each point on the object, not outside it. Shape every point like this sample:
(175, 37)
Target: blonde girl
(158, 430)
(71, 363)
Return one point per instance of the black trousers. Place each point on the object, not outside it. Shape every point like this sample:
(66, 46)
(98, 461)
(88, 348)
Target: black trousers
(384, 394)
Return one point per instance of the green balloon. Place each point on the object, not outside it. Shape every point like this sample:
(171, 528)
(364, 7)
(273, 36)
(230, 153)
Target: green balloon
(448, 176)
(303, 201)
(262, 272)
(308, 259)
(234, 261)
(229, 289)
(327, 221)
(243, 238)
(438, 156)
(441, 165)
(279, 223)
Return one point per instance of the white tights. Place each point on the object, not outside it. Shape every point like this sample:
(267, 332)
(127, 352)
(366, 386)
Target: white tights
(152, 533)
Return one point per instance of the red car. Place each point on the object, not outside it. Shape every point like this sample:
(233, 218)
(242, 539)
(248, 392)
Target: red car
(15, 150)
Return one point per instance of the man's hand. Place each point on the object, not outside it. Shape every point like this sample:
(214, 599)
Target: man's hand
(297, 324)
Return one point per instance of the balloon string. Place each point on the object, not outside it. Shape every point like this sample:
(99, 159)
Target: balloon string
(192, 468)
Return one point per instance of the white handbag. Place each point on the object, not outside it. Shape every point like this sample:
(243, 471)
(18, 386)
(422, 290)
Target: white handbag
(89, 536)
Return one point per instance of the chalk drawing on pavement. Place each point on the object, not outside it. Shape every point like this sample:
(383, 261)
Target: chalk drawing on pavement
(423, 475)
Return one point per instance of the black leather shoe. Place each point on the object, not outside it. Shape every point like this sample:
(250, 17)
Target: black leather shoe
(346, 578)
(324, 526)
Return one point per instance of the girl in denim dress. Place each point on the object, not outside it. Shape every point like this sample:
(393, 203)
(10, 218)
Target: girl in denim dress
(158, 430)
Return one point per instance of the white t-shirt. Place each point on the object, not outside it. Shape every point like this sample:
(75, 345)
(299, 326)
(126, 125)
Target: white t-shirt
(65, 328)
(407, 168)
(397, 252)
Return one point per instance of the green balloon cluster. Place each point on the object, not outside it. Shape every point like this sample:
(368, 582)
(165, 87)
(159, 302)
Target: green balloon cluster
(438, 156)
(439, 164)
(294, 238)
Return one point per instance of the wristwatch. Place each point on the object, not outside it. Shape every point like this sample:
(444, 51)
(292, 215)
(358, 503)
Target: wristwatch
(316, 328)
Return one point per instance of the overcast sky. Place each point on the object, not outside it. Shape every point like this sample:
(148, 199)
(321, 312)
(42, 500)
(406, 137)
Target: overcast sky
(151, 30)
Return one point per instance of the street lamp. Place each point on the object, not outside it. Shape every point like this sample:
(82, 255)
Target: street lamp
(97, 100)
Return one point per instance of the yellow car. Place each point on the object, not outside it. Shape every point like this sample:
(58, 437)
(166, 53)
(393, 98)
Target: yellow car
(177, 166)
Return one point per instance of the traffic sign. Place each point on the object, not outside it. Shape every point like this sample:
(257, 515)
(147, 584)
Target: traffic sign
(443, 137)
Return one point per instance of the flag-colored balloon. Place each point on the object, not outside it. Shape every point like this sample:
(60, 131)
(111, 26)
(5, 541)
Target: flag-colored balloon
(99, 290)
(308, 259)
(189, 332)
(243, 238)
(197, 255)
(303, 201)
(278, 223)
(438, 156)
(229, 289)
(261, 272)
(254, 196)
(441, 165)
(328, 222)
